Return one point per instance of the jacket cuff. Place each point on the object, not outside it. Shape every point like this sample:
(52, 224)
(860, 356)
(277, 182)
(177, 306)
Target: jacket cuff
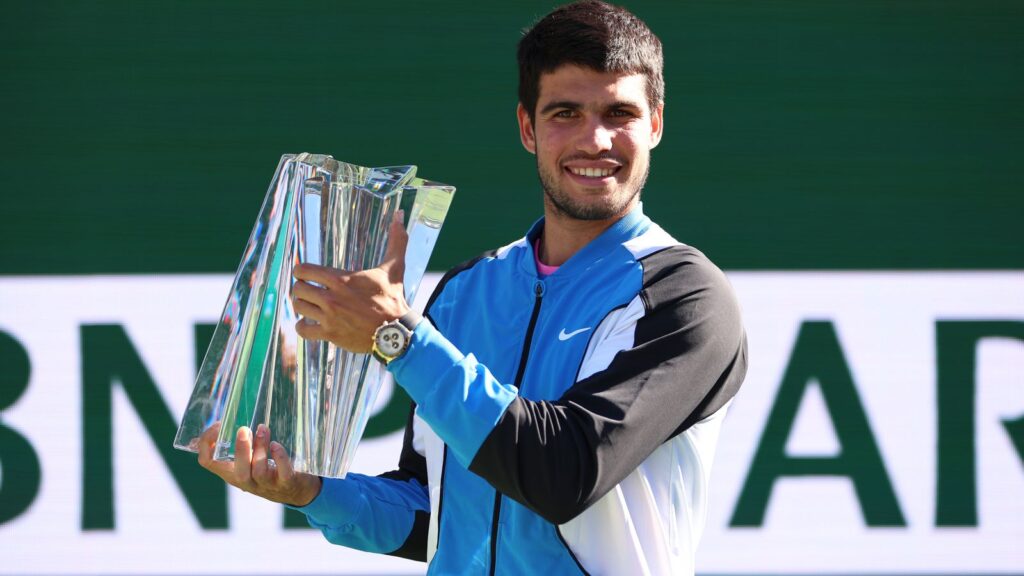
(427, 358)
(335, 505)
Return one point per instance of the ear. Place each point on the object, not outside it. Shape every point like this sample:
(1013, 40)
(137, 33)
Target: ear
(657, 124)
(526, 134)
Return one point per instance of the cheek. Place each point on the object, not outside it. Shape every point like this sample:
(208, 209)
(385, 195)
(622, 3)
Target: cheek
(548, 149)
(636, 140)
(554, 136)
(634, 147)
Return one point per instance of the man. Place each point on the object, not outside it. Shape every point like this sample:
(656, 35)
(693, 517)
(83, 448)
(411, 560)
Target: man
(568, 387)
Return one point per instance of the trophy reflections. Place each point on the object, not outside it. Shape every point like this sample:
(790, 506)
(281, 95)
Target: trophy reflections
(314, 396)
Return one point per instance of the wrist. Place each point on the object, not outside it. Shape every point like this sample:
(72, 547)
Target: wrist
(309, 492)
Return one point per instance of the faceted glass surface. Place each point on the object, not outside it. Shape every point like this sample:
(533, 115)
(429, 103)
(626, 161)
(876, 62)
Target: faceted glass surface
(314, 397)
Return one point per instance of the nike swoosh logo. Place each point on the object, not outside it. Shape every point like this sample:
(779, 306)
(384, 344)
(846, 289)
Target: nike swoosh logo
(563, 336)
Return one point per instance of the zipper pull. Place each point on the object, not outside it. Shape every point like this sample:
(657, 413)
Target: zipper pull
(538, 288)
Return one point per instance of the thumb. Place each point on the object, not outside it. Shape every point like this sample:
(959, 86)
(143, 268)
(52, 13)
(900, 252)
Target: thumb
(394, 257)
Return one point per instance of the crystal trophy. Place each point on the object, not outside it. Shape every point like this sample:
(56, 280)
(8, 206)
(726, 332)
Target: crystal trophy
(316, 398)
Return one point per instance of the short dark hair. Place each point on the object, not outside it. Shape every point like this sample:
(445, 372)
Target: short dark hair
(595, 35)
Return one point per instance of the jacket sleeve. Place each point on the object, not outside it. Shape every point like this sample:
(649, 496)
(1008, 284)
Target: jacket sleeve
(671, 357)
(388, 514)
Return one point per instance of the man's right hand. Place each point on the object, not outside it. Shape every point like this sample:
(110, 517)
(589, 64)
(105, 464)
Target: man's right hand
(252, 471)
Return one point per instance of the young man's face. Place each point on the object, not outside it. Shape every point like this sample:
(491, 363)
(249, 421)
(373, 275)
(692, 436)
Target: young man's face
(592, 134)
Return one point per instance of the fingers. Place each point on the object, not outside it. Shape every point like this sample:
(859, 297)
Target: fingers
(243, 458)
(314, 295)
(285, 470)
(306, 310)
(319, 274)
(310, 302)
(261, 467)
(262, 470)
(310, 331)
(207, 444)
(394, 257)
(208, 449)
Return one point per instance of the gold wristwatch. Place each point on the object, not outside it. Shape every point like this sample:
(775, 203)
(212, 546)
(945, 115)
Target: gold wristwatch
(391, 339)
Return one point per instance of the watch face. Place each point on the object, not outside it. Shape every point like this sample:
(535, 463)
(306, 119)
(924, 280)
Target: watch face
(390, 340)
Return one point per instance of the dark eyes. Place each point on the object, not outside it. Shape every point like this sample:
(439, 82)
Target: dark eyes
(615, 113)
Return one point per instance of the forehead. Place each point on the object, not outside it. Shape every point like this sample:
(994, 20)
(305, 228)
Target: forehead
(571, 83)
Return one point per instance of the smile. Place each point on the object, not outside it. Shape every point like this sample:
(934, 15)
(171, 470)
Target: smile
(593, 172)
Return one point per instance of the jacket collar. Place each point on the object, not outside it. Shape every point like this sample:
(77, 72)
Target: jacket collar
(626, 228)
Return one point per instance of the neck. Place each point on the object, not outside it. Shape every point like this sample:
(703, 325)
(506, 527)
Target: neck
(565, 236)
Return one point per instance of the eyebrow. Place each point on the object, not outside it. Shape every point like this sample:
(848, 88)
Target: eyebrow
(571, 105)
(561, 104)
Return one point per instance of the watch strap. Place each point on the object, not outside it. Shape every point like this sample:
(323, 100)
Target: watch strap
(410, 320)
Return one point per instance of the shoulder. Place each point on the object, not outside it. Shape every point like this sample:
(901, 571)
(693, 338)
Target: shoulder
(672, 269)
(682, 266)
(680, 280)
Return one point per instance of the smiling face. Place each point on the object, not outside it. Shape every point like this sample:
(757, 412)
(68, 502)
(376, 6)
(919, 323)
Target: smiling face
(592, 134)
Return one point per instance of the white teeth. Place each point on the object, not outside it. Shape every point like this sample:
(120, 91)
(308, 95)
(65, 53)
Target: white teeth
(592, 172)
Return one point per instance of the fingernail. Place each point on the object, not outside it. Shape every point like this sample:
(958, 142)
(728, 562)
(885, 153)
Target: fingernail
(261, 430)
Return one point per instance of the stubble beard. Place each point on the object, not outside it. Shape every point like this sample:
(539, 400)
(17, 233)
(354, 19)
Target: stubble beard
(566, 206)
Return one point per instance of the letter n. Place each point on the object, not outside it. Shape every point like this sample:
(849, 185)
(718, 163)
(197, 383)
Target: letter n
(108, 358)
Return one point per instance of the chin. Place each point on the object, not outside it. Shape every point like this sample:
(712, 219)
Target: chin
(589, 211)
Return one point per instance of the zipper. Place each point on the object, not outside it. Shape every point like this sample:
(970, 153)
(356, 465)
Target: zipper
(494, 532)
(538, 290)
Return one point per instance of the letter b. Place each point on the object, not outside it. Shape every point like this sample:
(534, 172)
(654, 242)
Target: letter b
(19, 482)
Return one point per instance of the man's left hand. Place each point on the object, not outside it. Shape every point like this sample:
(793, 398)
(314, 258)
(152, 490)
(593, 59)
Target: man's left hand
(347, 307)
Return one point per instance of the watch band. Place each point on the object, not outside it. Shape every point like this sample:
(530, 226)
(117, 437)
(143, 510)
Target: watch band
(410, 319)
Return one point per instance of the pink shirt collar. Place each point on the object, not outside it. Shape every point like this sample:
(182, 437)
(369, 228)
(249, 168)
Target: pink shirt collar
(542, 269)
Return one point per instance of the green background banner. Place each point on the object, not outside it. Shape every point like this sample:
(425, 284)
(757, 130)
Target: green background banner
(139, 137)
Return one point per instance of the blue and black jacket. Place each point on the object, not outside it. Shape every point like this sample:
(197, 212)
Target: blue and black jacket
(561, 425)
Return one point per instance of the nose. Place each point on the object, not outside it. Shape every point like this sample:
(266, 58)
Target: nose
(595, 138)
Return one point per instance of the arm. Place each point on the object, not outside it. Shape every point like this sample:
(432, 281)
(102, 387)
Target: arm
(387, 514)
(672, 357)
